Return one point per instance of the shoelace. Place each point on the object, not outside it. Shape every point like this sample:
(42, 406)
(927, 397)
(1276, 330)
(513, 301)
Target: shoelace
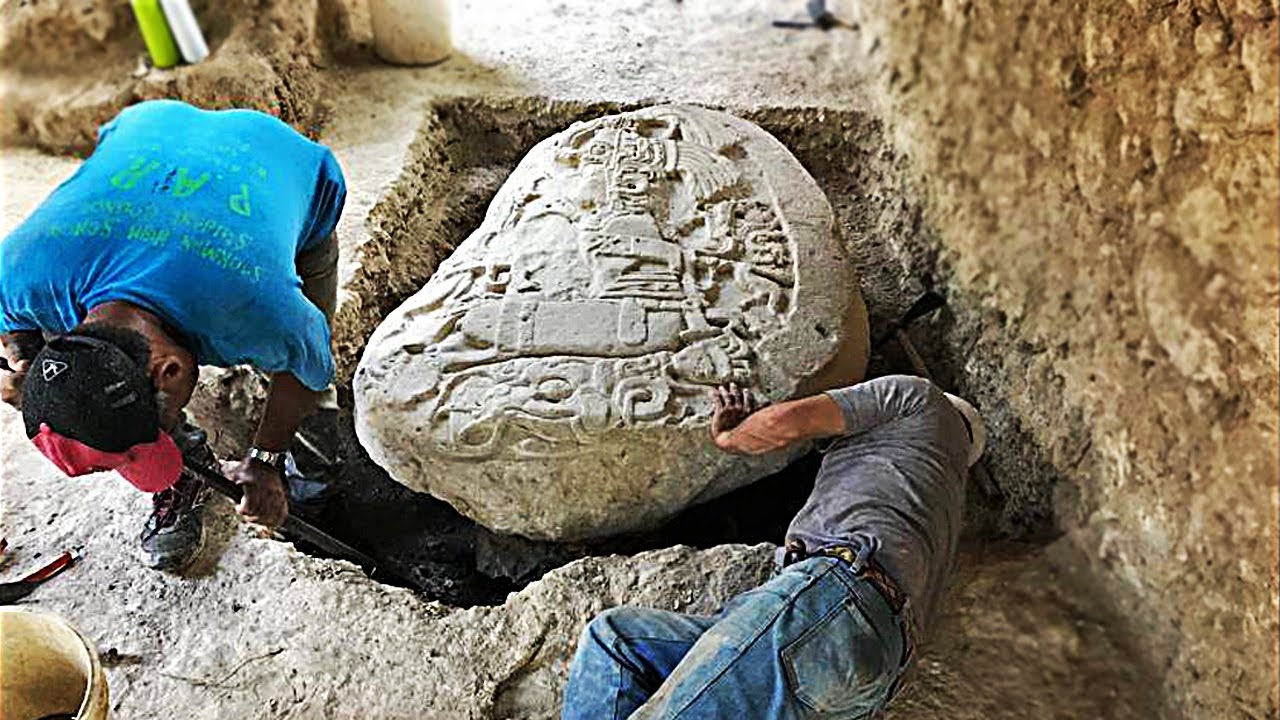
(169, 504)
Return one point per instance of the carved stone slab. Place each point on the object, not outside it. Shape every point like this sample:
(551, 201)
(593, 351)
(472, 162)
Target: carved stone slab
(552, 379)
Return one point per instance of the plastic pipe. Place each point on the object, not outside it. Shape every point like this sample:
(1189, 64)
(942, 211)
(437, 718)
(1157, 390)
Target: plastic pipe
(185, 29)
(155, 33)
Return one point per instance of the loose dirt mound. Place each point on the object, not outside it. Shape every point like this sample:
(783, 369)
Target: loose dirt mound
(69, 67)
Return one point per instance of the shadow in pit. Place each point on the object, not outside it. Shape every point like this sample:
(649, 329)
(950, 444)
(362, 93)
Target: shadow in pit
(464, 150)
(450, 558)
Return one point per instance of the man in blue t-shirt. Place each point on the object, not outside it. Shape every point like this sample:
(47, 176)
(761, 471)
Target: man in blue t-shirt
(189, 237)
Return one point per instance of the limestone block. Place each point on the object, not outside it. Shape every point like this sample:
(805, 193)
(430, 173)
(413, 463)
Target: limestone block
(227, 403)
(552, 378)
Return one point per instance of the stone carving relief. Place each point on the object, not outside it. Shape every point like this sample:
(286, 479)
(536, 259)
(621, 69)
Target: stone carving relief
(635, 272)
(628, 265)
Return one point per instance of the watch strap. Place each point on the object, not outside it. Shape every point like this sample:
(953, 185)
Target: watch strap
(268, 457)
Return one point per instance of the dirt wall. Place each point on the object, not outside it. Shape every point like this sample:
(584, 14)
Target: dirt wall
(1102, 176)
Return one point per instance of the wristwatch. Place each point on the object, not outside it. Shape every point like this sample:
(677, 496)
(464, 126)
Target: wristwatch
(273, 459)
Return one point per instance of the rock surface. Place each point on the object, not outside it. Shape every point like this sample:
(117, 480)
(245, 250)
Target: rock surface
(1102, 177)
(552, 379)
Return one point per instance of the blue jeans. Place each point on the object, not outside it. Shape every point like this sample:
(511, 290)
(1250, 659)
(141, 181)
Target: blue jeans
(816, 641)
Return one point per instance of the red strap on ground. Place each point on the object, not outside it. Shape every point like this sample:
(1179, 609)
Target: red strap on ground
(60, 563)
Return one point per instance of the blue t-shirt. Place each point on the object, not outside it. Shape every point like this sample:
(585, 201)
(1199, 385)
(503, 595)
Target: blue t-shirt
(193, 215)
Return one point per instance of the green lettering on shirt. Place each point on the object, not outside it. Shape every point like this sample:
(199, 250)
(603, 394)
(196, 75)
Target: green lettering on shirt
(156, 236)
(127, 178)
(186, 186)
(240, 202)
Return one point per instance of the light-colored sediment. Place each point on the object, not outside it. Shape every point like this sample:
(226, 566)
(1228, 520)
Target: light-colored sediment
(1103, 181)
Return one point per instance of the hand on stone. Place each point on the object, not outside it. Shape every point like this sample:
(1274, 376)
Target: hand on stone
(732, 404)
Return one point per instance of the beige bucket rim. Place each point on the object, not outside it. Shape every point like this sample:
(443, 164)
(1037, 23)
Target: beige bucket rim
(95, 672)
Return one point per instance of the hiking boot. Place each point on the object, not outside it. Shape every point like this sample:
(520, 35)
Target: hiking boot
(174, 534)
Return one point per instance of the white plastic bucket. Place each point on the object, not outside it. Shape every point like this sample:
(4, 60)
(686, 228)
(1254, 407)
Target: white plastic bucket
(411, 32)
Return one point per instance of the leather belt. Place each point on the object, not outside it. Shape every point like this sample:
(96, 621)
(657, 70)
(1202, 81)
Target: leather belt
(872, 571)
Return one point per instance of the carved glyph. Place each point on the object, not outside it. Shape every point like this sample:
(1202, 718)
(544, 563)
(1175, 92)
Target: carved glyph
(629, 264)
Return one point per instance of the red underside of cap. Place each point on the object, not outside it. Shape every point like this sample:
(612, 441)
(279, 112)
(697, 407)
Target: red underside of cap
(150, 467)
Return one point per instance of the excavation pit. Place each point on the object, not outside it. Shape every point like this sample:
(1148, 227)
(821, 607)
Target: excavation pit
(463, 151)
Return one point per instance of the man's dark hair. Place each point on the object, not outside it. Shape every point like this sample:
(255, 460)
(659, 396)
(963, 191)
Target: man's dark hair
(131, 342)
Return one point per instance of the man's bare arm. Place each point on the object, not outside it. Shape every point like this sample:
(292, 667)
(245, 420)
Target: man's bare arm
(17, 349)
(289, 402)
(738, 428)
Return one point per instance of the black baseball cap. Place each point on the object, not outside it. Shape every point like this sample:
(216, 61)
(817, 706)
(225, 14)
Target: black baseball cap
(89, 407)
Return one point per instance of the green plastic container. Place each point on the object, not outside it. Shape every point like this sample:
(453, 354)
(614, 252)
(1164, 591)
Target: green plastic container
(155, 33)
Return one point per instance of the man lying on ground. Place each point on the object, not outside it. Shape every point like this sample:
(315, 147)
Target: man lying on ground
(189, 237)
(864, 566)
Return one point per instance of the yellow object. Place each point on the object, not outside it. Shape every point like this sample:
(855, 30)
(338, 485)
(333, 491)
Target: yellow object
(155, 32)
(47, 668)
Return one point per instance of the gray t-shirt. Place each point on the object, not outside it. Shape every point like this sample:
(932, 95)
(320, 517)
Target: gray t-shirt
(898, 475)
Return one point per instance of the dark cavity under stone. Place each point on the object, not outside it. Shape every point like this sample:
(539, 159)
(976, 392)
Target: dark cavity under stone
(452, 559)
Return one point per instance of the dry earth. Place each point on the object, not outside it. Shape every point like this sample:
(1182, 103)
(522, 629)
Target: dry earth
(1103, 180)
